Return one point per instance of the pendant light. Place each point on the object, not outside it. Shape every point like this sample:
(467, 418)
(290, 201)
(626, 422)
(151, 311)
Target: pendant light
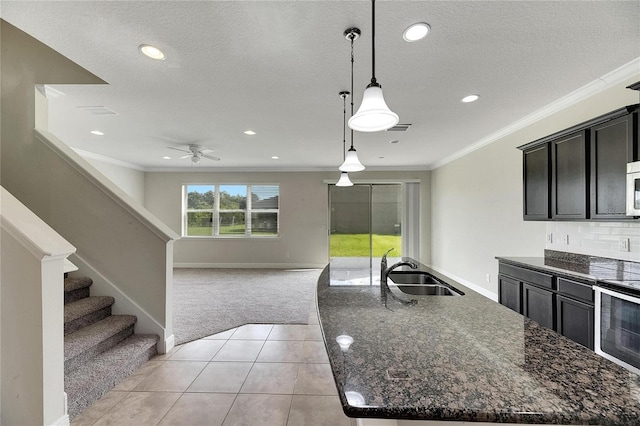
(373, 115)
(344, 176)
(351, 161)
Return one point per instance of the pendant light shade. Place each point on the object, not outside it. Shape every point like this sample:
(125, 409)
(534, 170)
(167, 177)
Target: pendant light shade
(351, 162)
(373, 115)
(344, 180)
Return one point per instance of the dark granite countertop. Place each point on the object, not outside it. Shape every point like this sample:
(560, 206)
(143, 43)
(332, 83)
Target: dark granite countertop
(590, 269)
(465, 358)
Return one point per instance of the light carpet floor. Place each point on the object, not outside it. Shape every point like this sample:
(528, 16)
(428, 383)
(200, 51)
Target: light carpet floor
(208, 301)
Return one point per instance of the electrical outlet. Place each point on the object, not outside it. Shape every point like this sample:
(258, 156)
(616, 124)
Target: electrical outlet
(488, 278)
(550, 237)
(565, 239)
(624, 244)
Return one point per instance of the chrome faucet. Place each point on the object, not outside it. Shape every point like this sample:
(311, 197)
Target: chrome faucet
(383, 262)
(384, 286)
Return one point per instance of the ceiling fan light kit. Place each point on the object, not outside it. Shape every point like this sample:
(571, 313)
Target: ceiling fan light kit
(373, 115)
(196, 153)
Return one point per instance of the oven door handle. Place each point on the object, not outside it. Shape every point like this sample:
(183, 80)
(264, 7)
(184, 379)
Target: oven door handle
(616, 294)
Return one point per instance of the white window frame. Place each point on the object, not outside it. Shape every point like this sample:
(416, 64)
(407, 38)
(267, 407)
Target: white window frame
(215, 211)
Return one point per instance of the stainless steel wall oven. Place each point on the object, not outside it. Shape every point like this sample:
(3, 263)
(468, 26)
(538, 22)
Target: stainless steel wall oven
(617, 320)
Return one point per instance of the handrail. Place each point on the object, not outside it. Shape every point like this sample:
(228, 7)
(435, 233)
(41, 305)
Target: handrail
(27, 228)
(110, 189)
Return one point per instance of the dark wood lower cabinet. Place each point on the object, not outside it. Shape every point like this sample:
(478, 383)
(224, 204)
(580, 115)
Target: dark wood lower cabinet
(539, 305)
(510, 292)
(559, 303)
(575, 320)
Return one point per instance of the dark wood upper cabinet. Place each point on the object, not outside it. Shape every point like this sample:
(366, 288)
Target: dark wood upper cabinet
(536, 183)
(612, 147)
(569, 177)
(580, 173)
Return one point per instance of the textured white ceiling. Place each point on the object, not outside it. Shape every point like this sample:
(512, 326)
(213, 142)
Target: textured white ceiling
(276, 67)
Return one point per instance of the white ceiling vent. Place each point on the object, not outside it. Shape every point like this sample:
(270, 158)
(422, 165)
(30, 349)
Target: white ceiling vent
(399, 128)
(98, 110)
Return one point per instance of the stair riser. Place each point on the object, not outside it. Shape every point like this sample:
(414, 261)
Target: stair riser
(86, 320)
(72, 296)
(73, 363)
(77, 403)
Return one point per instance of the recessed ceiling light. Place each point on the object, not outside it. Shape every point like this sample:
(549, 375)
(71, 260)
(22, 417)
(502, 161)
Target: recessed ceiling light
(394, 141)
(275, 157)
(416, 32)
(249, 132)
(96, 132)
(166, 157)
(470, 98)
(152, 52)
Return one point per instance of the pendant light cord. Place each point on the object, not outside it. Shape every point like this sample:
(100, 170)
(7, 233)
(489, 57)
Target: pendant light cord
(373, 43)
(344, 127)
(352, 37)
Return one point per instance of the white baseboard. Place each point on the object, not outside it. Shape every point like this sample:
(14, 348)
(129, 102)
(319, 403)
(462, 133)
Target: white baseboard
(251, 265)
(166, 345)
(123, 305)
(475, 287)
(62, 421)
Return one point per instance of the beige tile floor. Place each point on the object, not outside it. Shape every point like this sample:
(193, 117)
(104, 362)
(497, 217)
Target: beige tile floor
(256, 374)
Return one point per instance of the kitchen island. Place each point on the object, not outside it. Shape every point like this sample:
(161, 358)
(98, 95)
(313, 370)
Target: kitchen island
(464, 358)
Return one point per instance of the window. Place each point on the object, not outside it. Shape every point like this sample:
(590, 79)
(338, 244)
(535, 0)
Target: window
(230, 210)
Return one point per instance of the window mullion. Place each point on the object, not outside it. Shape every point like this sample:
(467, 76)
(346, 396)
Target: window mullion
(247, 213)
(216, 211)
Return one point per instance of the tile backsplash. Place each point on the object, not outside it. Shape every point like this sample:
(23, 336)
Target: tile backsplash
(604, 239)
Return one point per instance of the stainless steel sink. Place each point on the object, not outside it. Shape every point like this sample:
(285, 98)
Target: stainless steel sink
(422, 284)
(412, 277)
(427, 290)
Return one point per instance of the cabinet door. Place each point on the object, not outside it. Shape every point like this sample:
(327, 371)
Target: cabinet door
(611, 150)
(569, 177)
(538, 304)
(509, 293)
(575, 320)
(536, 183)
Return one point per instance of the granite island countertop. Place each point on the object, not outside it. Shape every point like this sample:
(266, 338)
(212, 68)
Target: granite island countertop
(464, 358)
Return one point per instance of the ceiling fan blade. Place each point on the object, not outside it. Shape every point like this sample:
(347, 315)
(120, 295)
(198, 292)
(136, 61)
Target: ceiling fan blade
(186, 156)
(179, 149)
(205, 150)
(210, 157)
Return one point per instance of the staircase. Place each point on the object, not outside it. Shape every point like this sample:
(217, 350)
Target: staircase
(100, 349)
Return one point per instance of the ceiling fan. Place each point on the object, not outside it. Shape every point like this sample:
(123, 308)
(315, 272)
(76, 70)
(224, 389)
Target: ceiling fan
(196, 153)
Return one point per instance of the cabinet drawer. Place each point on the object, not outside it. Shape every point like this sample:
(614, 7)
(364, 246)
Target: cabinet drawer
(576, 290)
(533, 277)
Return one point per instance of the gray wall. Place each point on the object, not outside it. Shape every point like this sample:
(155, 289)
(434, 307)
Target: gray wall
(477, 199)
(304, 217)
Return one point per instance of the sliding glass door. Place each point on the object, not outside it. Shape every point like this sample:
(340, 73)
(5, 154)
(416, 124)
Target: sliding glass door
(366, 221)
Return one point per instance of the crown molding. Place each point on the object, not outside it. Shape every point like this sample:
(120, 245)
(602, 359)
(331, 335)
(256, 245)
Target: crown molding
(608, 80)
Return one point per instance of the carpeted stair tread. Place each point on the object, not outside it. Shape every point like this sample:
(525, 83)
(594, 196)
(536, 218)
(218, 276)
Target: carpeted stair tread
(86, 306)
(92, 335)
(76, 289)
(96, 377)
(72, 284)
